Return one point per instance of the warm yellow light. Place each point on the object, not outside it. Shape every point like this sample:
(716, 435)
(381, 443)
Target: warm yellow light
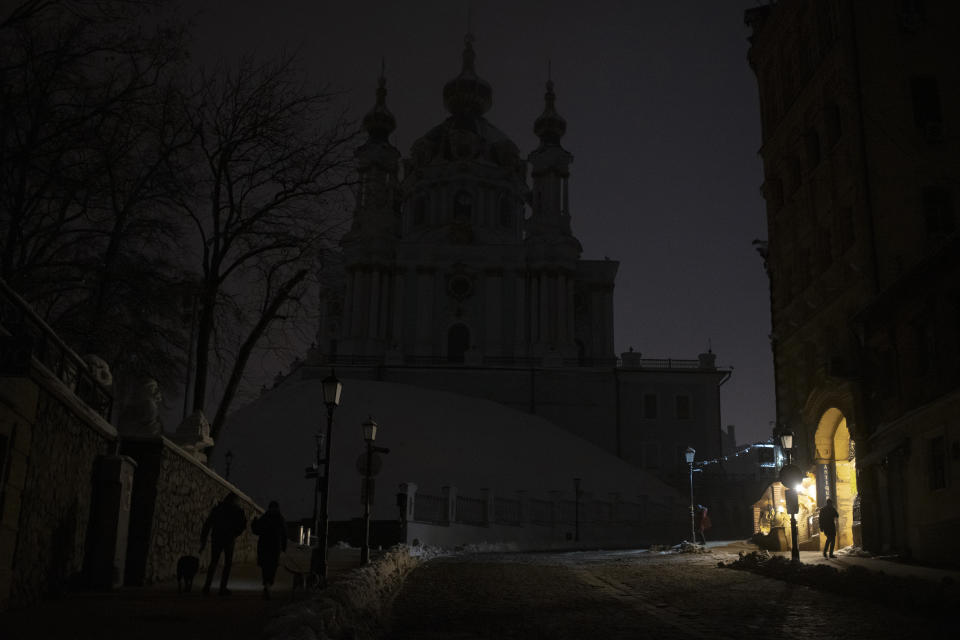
(798, 488)
(781, 509)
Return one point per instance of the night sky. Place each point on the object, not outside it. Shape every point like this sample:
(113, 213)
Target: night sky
(663, 123)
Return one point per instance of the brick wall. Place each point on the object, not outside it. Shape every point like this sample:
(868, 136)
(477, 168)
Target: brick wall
(49, 488)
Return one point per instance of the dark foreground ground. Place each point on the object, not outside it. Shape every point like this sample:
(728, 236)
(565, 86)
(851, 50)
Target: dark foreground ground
(605, 595)
(613, 595)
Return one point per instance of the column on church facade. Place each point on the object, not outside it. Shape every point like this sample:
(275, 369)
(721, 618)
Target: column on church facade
(534, 307)
(597, 316)
(425, 311)
(545, 307)
(374, 303)
(358, 314)
(386, 282)
(571, 310)
(396, 308)
(607, 323)
(562, 336)
(520, 313)
(347, 306)
(493, 311)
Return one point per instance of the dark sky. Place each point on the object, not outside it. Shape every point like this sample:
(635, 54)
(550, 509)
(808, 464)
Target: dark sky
(663, 123)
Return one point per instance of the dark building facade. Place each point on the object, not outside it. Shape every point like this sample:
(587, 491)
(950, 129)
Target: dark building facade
(860, 108)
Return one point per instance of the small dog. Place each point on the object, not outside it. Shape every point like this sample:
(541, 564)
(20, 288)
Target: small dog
(304, 580)
(187, 567)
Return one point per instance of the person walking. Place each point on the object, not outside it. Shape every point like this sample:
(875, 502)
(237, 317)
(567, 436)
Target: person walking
(701, 524)
(828, 525)
(272, 541)
(225, 522)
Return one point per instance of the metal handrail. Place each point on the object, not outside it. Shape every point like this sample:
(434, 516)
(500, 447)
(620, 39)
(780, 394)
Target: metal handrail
(20, 321)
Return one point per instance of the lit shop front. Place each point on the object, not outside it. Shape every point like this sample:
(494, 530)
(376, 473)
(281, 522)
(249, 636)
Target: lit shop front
(831, 476)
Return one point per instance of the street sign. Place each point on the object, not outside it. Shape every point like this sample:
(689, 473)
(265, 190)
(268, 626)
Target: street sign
(363, 491)
(376, 463)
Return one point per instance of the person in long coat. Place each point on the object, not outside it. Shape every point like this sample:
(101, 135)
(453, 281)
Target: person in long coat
(225, 522)
(828, 525)
(272, 541)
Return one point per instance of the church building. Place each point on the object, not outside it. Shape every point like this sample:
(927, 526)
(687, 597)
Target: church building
(443, 265)
(460, 313)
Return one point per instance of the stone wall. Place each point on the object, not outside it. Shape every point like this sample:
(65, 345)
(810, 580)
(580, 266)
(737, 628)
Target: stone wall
(172, 496)
(54, 454)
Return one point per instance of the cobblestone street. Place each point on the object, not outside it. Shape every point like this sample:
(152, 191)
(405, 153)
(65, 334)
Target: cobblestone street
(614, 595)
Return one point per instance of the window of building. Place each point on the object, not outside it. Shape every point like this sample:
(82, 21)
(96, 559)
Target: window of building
(682, 403)
(938, 463)
(419, 210)
(651, 455)
(650, 406)
(811, 146)
(831, 124)
(938, 213)
(926, 106)
(462, 207)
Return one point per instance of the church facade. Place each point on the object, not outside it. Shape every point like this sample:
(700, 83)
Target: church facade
(459, 273)
(441, 263)
(459, 312)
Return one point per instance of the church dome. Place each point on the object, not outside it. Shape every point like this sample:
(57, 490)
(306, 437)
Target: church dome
(468, 95)
(466, 134)
(379, 123)
(550, 126)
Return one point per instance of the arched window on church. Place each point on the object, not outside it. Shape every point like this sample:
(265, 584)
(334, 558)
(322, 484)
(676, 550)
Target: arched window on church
(458, 341)
(506, 211)
(462, 206)
(419, 210)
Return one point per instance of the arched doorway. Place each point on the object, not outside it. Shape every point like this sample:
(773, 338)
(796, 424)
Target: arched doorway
(836, 471)
(458, 341)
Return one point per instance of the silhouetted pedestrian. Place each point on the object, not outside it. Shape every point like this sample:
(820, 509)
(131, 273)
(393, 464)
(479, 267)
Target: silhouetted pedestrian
(225, 522)
(701, 524)
(828, 525)
(272, 541)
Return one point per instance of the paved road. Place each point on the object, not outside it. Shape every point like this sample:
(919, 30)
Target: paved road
(613, 595)
(159, 612)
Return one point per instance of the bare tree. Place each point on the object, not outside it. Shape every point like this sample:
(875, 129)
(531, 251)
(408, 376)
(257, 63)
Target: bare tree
(273, 164)
(89, 135)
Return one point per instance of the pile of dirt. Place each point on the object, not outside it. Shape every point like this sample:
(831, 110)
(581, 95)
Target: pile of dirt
(915, 594)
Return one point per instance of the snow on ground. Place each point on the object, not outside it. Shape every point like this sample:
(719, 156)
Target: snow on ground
(435, 438)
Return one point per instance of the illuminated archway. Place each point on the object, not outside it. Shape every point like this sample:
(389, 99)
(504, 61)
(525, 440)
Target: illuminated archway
(836, 470)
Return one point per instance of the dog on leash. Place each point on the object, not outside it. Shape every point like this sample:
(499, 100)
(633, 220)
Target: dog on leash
(187, 567)
(303, 581)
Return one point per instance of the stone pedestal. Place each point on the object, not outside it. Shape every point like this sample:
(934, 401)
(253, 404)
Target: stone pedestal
(110, 521)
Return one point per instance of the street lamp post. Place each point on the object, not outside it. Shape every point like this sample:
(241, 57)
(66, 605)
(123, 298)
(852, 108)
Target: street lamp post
(371, 468)
(688, 454)
(331, 397)
(576, 509)
(790, 477)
